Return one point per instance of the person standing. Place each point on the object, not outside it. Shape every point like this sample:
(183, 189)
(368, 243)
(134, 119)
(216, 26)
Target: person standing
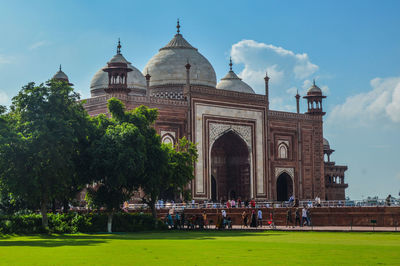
(303, 216)
(205, 219)
(177, 221)
(253, 203)
(223, 218)
(244, 219)
(193, 203)
(297, 217)
(183, 220)
(291, 200)
(289, 220)
(318, 201)
(259, 216)
(253, 219)
(388, 200)
(308, 217)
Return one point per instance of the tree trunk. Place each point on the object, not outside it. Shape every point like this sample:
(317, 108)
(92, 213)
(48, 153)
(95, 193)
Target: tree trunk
(43, 211)
(154, 212)
(109, 222)
(65, 206)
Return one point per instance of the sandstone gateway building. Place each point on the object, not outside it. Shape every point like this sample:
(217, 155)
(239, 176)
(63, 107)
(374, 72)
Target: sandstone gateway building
(245, 149)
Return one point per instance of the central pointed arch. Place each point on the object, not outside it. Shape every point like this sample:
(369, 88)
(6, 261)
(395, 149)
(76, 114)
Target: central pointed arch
(230, 167)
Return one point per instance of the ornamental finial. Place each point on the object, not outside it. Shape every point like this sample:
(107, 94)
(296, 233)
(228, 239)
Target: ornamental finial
(60, 67)
(314, 82)
(177, 27)
(119, 47)
(230, 63)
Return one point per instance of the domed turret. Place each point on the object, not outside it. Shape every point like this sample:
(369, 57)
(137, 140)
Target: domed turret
(167, 67)
(314, 100)
(327, 149)
(61, 76)
(314, 90)
(232, 82)
(326, 144)
(135, 80)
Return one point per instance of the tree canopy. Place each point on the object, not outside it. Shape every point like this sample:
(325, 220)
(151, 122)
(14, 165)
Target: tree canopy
(50, 149)
(44, 133)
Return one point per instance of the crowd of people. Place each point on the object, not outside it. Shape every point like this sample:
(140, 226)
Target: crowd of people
(295, 216)
(179, 220)
(305, 217)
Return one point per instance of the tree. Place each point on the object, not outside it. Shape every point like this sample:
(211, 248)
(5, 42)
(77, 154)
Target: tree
(46, 127)
(118, 156)
(175, 171)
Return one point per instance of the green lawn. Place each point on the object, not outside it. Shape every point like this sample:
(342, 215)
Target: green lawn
(203, 248)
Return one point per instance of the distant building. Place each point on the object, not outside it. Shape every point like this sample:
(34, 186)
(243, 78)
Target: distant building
(245, 149)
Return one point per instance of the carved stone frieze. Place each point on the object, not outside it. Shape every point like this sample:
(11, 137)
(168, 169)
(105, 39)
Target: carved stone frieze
(280, 170)
(217, 129)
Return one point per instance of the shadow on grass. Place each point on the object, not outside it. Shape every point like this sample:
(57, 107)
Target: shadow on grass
(96, 239)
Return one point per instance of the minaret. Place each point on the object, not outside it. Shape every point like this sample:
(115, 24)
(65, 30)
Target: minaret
(267, 88)
(186, 93)
(147, 83)
(117, 69)
(297, 101)
(314, 100)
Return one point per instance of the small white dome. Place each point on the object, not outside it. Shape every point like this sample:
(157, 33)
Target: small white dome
(231, 82)
(168, 65)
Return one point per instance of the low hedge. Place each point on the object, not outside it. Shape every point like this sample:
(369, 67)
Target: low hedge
(74, 222)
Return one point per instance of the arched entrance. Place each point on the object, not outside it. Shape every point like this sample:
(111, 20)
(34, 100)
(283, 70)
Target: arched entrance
(284, 187)
(230, 168)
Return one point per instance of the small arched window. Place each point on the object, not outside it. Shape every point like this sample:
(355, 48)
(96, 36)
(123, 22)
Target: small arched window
(283, 151)
(168, 139)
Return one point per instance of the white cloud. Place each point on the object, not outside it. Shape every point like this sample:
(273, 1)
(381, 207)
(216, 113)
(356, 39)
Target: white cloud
(37, 45)
(4, 99)
(288, 71)
(4, 59)
(393, 108)
(382, 103)
(281, 64)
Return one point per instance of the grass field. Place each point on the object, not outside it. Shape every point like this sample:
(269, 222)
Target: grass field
(203, 248)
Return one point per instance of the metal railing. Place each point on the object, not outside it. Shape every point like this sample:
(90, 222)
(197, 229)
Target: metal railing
(270, 204)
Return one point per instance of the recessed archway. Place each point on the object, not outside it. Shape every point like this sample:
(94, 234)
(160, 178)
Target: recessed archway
(230, 168)
(284, 187)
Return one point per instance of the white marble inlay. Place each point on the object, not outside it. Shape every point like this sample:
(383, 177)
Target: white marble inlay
(202, 109)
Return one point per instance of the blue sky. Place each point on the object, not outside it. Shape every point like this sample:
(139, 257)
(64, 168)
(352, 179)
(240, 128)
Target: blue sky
(351, 48)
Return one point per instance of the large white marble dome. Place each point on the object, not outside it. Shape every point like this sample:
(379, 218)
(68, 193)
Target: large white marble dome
(99, 82)
(167, 67)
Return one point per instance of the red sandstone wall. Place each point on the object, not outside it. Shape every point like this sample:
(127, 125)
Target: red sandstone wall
(340, 216)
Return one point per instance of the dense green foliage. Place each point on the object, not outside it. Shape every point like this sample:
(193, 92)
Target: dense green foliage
(204, 248)
(129, 154)
(42, 140)
(118, 157)
(50, 149)
(73, 223)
